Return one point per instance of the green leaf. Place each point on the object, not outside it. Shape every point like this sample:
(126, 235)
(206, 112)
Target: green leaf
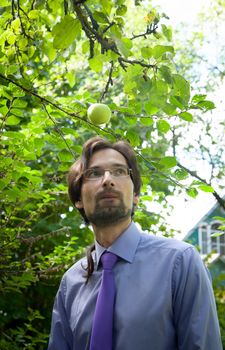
(15, 90)
(51, 52)
(131, 120)
(198, 98)
(133, 137)
(12, 69)
(100, 17)
(186, 116)
(206, 188)
(5, 3)
(96, 64)
(158, 93)
(33, 14)
(217, 234)
(11, 38)
(160, 50)
(163, 126)
(146, 52)
(166, 74)
(169, 109)
(136, 106)
(18, 103)
(167, 32)
(146, 121)
(121, 10)
(124, 45)
(15, 24)
(66, 32)
(192, 192)
(181, 88)
(176, 102)
(206, 105)
(23, 42)
(168, 162)
(220, 218)
(181, 174)
(150, 108)
(70, 76)
(65, 156)
(12, 120)
(3, 110)
(18, 112)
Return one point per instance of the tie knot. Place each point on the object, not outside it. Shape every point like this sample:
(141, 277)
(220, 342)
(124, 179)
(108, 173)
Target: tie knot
(108, 260)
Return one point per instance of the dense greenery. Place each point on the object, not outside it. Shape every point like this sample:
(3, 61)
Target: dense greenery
(56, 58)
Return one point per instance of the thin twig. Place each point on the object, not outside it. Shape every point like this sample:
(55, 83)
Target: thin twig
(150, 30)
(109, 82)
(58, 130)
(220, 200)
(123, 60)
(6, 116)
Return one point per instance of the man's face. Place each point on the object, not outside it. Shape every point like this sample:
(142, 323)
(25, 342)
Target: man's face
(108, 199)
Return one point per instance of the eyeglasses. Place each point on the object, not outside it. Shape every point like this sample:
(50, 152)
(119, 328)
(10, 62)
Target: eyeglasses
(98, 173)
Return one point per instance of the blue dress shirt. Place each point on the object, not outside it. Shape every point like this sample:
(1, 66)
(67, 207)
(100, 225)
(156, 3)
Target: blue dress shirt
(164, 298)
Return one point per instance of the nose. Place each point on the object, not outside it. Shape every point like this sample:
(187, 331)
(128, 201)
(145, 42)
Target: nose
(107, 179)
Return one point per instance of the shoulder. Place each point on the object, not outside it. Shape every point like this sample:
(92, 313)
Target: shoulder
(75, 275)
(164, 243)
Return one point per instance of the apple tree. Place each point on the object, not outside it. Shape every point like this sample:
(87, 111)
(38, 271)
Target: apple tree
(56, 59)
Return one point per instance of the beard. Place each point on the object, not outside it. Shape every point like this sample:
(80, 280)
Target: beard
(104, 216)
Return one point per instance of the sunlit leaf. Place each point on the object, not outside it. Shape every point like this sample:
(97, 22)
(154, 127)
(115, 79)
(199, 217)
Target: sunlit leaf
(96, 64)
(181, 174)
(163, 126)
(12, 120)
(146, 52)
(181, 88)
(186, 116)
(206, 105)
(150, 108)
(168, 162)
(159, 50)
(65, 32)
(198, 98)
(206, 188)
(192, 192)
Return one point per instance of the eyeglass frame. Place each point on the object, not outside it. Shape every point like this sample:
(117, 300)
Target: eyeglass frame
(129, 173)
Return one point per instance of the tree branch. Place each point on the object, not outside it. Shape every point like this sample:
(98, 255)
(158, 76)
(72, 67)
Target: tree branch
(58, 130)
(91, 31)
(150, 30)
(109, 82)
(123, 60)
(48, 102)
(220, 200)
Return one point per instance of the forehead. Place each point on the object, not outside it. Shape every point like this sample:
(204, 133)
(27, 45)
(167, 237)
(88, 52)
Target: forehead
(107, 157)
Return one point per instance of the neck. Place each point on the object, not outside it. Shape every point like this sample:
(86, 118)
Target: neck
(105, 236)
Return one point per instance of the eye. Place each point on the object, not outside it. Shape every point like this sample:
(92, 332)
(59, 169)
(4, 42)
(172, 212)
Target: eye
(120, 171)
(93, 173)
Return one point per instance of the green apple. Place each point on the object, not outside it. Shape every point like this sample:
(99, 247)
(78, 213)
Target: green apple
(99, 113)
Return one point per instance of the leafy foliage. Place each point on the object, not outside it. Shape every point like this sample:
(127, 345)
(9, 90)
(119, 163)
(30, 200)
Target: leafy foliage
(56, 58)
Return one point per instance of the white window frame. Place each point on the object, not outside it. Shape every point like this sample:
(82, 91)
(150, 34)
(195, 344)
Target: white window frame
(207, 228)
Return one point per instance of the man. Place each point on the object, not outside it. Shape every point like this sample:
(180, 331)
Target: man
(163, 299)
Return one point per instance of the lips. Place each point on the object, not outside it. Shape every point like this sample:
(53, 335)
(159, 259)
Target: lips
(108, 195)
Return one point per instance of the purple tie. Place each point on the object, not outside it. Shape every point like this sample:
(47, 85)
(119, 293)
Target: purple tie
(101, 336)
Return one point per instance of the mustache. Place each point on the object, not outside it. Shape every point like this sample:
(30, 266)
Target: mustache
(106, 192)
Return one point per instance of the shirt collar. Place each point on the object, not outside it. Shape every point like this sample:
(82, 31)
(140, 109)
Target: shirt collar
(124, 246)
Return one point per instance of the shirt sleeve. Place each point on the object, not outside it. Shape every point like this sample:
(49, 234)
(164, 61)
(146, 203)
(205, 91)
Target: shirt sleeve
(61, 334)
(195, 314)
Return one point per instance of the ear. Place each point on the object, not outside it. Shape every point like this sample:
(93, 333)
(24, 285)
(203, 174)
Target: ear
(79, 204)
(135, 199)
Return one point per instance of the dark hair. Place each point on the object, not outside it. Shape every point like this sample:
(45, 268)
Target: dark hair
(75, 176)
